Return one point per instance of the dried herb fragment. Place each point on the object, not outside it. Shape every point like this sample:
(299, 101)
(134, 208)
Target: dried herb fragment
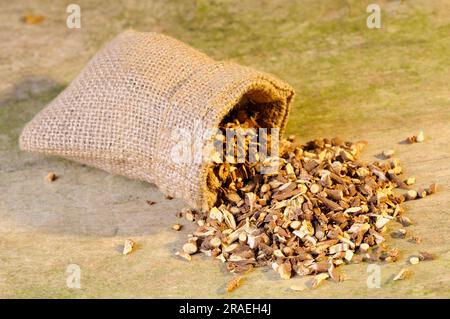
(415, 240)
(318, 279)
(128, 247)
(50, 177)
(399, 233)
(234, 283)
(420, 137)
(176, 227)
(423, 256)
(33, 19)
(388, 153)
(402, 274)
(190, 248)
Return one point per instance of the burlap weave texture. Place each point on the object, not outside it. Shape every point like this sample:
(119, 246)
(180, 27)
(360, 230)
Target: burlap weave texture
(119, 114)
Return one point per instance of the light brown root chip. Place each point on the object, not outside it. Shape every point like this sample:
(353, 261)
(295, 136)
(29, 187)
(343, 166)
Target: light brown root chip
(33, 19)
(405, 221)
(399, 233)
(402, 274)
(190, 248)
(415, 240)
(299, 287)
(128, 247)
(432, 189)
(423, 256)
(411, 194)
(285, 270)
(50, 177)
(318, 279)
(184, 255)
(234, 283)
(388, 153)
(189, 216)
(176, 227)
(421, 193)
(420, 137)
(334, 274)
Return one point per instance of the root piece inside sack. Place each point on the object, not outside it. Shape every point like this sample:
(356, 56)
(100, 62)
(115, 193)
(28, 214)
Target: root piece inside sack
(323, 207)
(227, 174)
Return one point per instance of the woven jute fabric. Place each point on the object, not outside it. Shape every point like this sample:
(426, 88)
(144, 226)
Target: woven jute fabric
(119, 114)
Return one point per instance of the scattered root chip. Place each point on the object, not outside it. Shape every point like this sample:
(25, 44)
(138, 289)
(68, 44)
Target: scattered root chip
(402, 274)
(421, 192)
(334, 274)
(184, 255)
(399, 233)
(420, 137)
(415, 240)
(411, 194)
(432, 189)
(348, 255)
(190, 248)
(405, 221)
(364, 247)
(176, 227)
(285, 270)
(388, 153)
(414, 260)
(234, 283)
(317, 280)
(411, 139)
(33, 19)
(50, 177)
(189, 216)
(128, 247)
(150, 202)
(299, 287)
(423, 256)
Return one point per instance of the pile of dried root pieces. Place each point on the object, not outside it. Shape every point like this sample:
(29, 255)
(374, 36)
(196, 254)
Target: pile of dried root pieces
(323, 208)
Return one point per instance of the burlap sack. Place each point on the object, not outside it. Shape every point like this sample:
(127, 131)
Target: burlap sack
(120, 112)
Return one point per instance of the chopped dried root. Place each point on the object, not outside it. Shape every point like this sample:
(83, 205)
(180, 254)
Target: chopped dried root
(234, 283)
(402, 274)
(321, 208)
(184, 255)
(420, 137)
(190, 248)
(423, 256)
(128, 247)
(176, 227)
(318, 279)
(388, 153)
(50, 177)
